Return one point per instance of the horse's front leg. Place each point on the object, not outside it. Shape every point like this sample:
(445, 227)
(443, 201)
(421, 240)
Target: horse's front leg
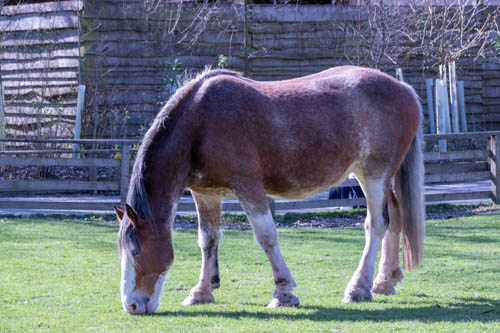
(253, 199)
(209, 234)
(376, 223)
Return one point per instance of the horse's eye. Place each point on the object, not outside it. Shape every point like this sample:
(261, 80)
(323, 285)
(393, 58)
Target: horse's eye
(135, 245)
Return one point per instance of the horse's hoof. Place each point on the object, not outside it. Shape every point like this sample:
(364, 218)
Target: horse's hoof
(357, 295)
(195, 299)
(287, 300)
(383, 287)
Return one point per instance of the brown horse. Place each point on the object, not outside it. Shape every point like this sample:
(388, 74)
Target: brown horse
(222, 135)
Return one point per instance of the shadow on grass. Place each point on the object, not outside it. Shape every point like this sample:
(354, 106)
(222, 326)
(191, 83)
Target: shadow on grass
(469, 238)
(330, 239)
(299, 235)
(467, 309)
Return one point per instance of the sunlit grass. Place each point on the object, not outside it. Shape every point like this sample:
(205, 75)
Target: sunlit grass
(63, 275)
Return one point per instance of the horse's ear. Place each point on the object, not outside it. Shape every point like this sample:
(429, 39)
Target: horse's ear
(132, 215)
(119, 213)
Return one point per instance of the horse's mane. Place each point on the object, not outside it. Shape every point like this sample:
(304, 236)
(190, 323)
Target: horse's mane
(137, 194)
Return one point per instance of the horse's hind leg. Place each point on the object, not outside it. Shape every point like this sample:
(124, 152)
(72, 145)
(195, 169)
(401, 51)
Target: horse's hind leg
(377, 220)
(252, 197)
(390, 272)
(209, 212)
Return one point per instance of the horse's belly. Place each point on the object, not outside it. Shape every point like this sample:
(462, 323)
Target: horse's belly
(303, 185)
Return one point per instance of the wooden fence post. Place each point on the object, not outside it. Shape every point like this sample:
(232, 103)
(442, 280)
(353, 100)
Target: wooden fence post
(93, 175)
(440, 114)
(432, 123)
(124, 172)
(78, 120)
(453, 96)
(494, 163)
(245, 36)
(461, 104)
(272, 205)
(399, 74)
(2, 117)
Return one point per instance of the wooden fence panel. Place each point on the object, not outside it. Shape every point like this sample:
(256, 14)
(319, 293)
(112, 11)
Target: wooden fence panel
(442, 168)
(122, 39)
(40, 57)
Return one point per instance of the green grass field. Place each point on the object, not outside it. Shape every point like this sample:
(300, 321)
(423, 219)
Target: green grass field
(63, 275)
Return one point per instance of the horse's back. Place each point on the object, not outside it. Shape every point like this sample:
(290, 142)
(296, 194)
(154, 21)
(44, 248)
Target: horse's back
(302, 134)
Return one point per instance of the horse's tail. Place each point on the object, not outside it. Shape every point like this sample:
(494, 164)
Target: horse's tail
(410, 192)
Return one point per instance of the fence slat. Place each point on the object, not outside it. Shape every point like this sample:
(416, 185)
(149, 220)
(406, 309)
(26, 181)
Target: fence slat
(494, 162)
(441, 115)
(457, 196)
(2, 116)
(74, 162)
(457, 177)
(461, 136)
(124, 173)
(456, 167)
(58, 205)
(429, 83)
(56, 185)
(453, 96)
(79, 110)
(455, 155)
(461, 104)
(313, 204)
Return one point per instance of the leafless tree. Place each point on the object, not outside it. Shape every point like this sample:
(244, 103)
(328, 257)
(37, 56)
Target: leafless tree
(390, 33)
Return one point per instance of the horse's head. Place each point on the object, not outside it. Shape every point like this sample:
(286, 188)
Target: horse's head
(146, 254)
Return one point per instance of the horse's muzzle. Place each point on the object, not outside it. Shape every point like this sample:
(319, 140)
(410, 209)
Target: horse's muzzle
(133, 306)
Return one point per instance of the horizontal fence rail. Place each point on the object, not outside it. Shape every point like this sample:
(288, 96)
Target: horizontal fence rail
(452, 167)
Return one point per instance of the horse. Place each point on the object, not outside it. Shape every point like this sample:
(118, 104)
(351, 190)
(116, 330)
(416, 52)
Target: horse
(224, 135)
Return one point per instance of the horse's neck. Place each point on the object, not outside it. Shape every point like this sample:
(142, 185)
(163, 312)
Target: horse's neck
(168, 166)
(164, 205)
(166, 184)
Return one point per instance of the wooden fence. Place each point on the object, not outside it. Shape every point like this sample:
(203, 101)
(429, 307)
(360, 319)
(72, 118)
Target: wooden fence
(119, 49)
(130, 55)
(39, 67)
(464, 166)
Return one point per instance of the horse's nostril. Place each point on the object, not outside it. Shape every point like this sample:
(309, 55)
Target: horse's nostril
(132, 307)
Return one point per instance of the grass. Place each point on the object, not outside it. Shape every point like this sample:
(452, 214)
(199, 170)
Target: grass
(63, 275)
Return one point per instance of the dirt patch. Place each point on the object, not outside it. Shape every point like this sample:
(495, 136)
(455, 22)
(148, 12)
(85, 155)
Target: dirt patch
(331, 219)
(339, 219)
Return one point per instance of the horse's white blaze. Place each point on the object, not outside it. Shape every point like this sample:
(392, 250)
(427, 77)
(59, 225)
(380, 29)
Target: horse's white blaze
(154, 301)
(128, 279)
